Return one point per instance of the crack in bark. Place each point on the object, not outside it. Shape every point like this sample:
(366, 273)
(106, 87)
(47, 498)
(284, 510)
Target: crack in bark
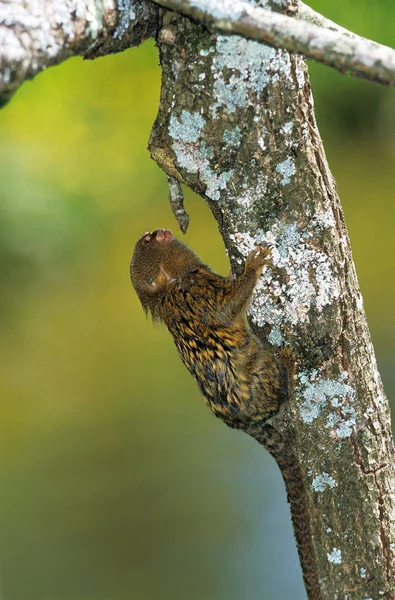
(343, 338)
(359, 461)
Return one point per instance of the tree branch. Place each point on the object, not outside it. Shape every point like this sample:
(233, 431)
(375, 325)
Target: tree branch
(334, 47)
(37, 34)
(306, 13)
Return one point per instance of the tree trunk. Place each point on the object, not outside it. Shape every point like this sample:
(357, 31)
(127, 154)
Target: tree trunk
(236, 124)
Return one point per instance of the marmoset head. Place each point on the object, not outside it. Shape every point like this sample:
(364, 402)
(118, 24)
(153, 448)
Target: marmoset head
(159, 259)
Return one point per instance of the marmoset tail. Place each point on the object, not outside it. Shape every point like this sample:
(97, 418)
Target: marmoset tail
(243, 382)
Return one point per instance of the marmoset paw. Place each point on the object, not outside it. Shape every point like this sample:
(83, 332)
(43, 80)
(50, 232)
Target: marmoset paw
(257, 258)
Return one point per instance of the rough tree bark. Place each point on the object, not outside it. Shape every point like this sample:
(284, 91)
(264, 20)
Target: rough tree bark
(236, 124)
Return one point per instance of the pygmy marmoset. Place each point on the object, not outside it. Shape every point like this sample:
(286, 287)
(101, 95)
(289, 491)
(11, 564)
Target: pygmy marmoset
(243, 382)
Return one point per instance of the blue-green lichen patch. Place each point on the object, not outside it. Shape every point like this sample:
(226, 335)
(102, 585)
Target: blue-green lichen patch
(286, 169)
(186, 128)
(206, 151)
(291, 141)
(275, 337)
(335, 395)
(232, 137)
(126, 14)
(241, 68)
(322, 482)
(335, 557)
(310, 280)
(261, 138)
(343, 423)
(194, 154)
(206, 51)
(245, 202)
(194, 160)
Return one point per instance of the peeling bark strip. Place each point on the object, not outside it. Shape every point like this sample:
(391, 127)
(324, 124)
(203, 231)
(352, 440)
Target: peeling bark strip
(236, 124)
(333, 47)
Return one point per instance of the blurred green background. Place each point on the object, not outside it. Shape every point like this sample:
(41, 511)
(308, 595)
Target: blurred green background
(116, 482)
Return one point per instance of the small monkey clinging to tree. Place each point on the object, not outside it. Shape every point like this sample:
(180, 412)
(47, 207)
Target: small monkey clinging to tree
(243, 383)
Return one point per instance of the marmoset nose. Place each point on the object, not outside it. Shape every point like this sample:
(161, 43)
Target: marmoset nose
(162, 234)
